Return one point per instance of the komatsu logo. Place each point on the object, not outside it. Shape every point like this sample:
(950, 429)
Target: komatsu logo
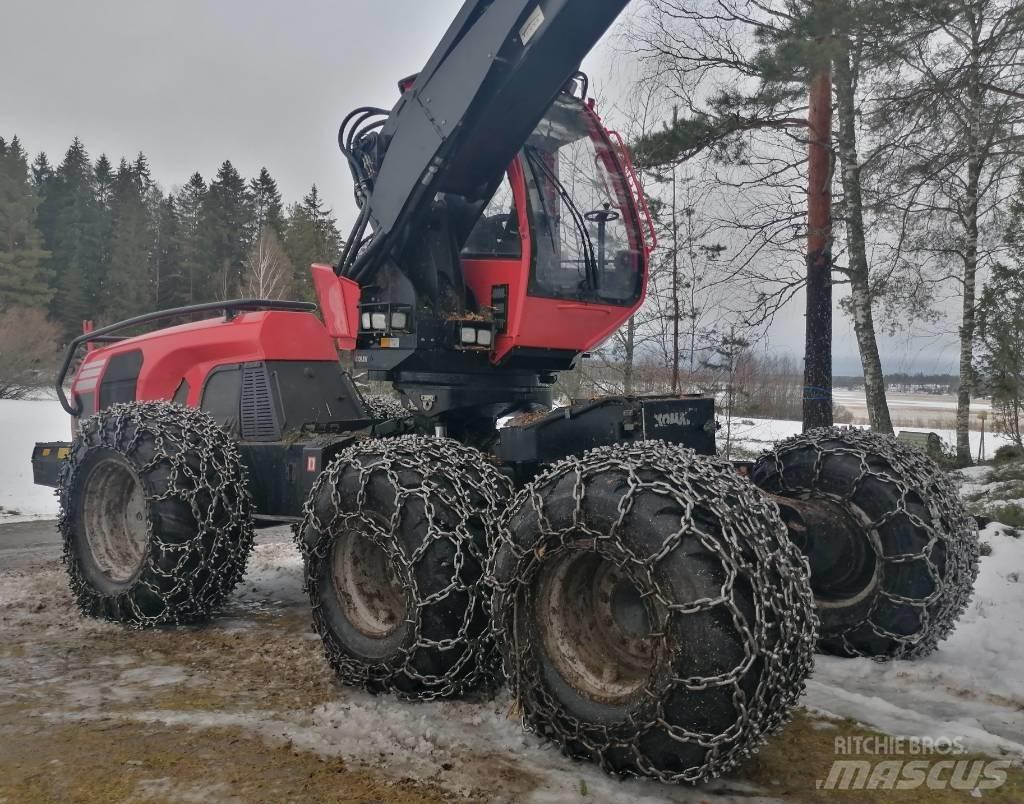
(677, 419)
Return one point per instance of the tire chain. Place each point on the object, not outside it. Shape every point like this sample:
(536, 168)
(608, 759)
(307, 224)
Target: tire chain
(177, 434)
(461, 479)
(747, 547)
(913, 473)
(382, 406)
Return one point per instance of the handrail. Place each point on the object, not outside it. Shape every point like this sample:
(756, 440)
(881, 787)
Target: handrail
(638, 190)
(229, 308)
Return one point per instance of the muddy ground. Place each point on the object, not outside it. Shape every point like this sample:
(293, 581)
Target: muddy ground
(246, 709)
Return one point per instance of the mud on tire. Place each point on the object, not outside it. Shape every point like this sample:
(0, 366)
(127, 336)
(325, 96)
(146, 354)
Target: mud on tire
(395, 535)
(651, 612)
(155, 515)
(911, 572)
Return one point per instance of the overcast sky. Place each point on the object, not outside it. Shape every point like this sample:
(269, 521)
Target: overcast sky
(261, 83)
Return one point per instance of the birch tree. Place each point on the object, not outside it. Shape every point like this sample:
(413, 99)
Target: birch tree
(955, 106)
(268, 271)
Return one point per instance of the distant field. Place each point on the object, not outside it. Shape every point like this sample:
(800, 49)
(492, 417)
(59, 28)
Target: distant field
(933, 411)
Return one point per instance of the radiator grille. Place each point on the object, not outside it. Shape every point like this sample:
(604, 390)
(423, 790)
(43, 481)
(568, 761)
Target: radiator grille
(258, 419)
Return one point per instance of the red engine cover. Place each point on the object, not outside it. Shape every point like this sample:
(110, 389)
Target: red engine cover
(189, 352)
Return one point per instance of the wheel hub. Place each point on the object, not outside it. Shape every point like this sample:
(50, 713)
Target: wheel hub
(114, 514)
(839, 548)
(596, 626)
(369, 590)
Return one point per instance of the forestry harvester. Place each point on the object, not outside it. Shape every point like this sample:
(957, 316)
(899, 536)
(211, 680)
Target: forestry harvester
(649, 606)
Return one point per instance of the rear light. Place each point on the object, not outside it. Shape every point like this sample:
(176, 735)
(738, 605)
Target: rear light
(468, 335)
(399, 321)
(366, 321)
(484, 337)
(379, 321)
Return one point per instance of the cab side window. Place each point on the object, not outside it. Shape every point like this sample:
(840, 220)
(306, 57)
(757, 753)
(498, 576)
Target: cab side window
(496, 234)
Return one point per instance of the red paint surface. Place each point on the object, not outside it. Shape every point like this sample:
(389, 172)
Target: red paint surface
(538, 322)
(190, 351)
(339, 304)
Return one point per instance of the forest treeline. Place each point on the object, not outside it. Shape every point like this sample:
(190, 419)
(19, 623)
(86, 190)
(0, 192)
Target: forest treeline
(90, 239)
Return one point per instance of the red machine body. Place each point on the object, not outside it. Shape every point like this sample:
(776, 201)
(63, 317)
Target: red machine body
(174, 363)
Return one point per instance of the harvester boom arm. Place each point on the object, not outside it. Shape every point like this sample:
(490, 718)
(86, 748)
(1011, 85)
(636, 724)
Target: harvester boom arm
(462, 120)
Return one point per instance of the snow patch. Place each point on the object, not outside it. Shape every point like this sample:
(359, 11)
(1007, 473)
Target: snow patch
(971, 687)
(22, 424)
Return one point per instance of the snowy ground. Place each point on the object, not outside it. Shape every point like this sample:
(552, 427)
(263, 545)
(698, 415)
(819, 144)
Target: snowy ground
(251, 691)
(22, 424)
(753, 436)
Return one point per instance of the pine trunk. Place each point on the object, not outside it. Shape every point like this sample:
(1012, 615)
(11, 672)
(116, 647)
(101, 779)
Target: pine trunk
(859, 271)
(817, 406)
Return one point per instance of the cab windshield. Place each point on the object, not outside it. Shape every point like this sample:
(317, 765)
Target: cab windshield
(585, 230)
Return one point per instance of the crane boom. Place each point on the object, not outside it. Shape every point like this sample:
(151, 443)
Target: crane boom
(491, 79)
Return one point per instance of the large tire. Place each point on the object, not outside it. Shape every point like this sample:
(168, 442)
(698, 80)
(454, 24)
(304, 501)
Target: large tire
(396, 534)
(155, 515)
(909, 571)
(650, 611)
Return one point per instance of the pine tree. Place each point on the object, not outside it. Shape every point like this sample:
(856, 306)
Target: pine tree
(23, 275)
(311, 237)
(190, 204)
(267, 209)
(70, 225)
(130, 288)
(226, 221)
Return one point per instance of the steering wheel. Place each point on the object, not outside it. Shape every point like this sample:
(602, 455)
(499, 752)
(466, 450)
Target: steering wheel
(602, 215)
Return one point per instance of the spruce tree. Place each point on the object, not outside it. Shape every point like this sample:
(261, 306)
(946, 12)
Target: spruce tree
(42, 171)
(141, 169)
(130, 289)
(267, 209)
(103, 174)
(23, 275)
(104, 180)
(311, 237)
(190, 204)
(171, 284)
(71, 234)
(227, 214)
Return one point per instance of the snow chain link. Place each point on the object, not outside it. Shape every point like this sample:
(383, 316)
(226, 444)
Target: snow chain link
(203, 469)
(752, 545)
(382, 406)
(916, 477)
(462, 496)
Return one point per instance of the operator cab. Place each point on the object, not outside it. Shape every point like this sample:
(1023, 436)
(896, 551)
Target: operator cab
(572, 207)
(500, 282)
(561, 239)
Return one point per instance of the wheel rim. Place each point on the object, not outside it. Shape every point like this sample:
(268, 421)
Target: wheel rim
(596, 626)
(842, 548)
(369, 589)
(114, 514)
